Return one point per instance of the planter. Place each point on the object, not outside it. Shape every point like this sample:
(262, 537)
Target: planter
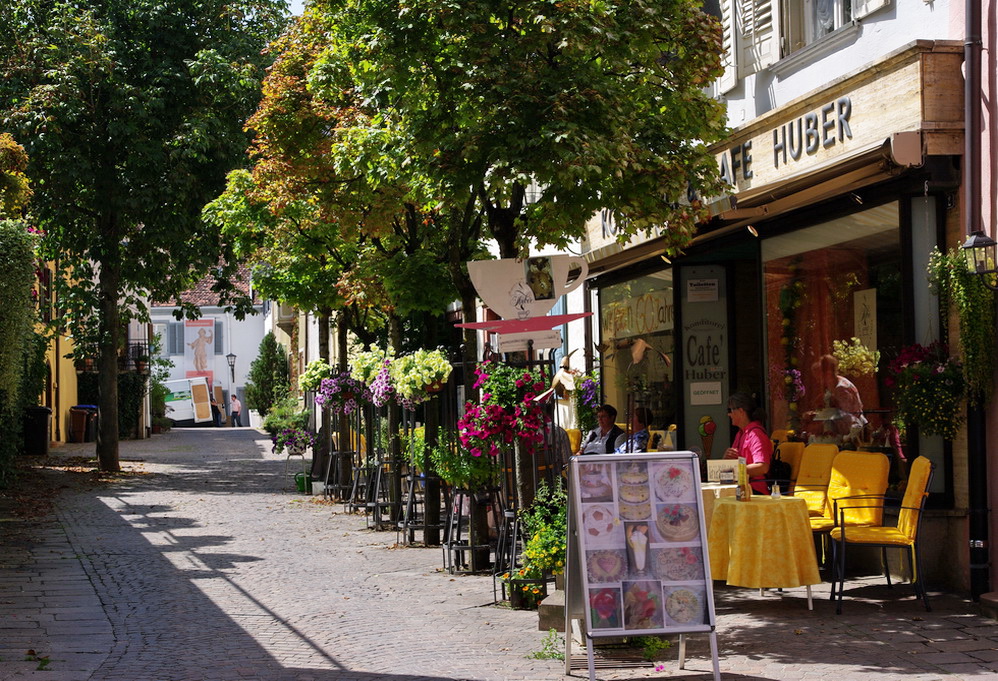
(525, 594)
(434, 387)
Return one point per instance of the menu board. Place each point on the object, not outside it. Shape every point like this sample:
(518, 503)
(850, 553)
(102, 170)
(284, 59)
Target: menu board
(637, 555)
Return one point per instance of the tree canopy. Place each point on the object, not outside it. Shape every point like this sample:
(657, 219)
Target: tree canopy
(592, 105)
(132, 114)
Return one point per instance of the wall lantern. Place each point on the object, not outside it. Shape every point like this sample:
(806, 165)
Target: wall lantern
(979, 250)
(231, 359)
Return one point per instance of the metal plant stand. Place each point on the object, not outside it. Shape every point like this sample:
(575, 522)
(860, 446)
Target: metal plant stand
(455, 546)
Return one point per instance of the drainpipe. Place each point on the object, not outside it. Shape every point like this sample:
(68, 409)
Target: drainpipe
(977, 464)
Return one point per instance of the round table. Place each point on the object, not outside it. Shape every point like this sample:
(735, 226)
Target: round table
(763, 543)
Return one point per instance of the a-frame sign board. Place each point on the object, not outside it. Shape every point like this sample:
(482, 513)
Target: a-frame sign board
(637, 550)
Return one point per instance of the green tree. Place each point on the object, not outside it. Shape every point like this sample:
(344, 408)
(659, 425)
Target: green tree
(18, 345)
(269, 378)
(595, 105)
(134, 113)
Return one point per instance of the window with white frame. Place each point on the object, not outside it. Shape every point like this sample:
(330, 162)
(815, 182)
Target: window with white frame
(758, 33)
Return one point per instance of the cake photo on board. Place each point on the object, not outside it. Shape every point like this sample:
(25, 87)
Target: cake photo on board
(677, 522)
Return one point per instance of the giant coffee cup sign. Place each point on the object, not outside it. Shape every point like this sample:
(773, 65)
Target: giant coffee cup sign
(519, 289)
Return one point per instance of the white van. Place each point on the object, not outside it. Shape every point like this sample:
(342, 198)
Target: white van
(188, 401)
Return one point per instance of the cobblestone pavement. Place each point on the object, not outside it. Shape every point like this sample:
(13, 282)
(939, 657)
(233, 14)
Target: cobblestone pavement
(199, 567)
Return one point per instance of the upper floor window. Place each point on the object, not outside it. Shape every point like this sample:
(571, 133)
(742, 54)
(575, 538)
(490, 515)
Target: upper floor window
(758, 33)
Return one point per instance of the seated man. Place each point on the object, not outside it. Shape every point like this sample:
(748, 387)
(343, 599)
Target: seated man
(605, 438)
(638, 440)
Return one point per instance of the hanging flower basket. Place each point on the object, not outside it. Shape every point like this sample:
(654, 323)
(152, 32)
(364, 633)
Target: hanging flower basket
(342, 394)
(434, 387)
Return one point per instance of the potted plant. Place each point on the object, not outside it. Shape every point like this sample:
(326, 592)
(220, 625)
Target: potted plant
(415, 377)
(296, 440)
(341, 393)
(930, 389)
(526, 588)
(855, 359)
(545, 524)
(587, 401)
(313, 375)
(373, 369)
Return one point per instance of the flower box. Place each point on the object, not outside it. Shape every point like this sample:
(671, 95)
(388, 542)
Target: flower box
(525, 594)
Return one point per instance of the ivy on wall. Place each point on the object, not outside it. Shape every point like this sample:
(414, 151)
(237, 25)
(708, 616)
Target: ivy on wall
(974, 303)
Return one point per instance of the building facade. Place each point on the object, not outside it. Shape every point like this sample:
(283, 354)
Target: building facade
(845, 161)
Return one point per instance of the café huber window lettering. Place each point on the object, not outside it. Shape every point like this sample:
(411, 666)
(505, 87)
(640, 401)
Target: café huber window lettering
(637, 327)
(705, 358)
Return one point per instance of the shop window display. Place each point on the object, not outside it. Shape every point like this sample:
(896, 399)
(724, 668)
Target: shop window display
(637, 327)
(834, 321)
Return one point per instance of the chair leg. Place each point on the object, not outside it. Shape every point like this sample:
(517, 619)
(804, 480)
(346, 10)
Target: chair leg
(886, 566)
(918, 582)
(834, 569)
(842, 572)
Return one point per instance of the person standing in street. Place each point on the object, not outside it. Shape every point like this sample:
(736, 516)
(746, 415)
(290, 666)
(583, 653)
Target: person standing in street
(235, 410)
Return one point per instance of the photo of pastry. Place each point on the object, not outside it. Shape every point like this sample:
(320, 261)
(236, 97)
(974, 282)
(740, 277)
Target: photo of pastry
(598, 523)
(677, 522)
(683, 564)
(643, 605)
(684, 605)
(594, 482)
(636, 535)
(604, 608)
(674, 482)
(606, 565)
(634, 496)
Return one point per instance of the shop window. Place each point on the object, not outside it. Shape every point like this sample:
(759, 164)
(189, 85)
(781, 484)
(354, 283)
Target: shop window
(637, 332)
(833, 297)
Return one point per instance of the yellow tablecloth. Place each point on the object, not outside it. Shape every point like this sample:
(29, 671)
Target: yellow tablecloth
(763, 543)
(711, 492)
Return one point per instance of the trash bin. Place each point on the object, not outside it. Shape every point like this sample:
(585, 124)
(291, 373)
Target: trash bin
(36, 430)
(83, 423)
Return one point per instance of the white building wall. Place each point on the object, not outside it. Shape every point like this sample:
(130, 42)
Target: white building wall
(813, 68)
(239, 337)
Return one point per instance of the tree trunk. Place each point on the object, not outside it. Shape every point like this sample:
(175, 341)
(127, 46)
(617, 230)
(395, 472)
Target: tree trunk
(346, 462)
(431, 498)
(394, 422)
(110, 334)
(320, 459)
(524, 471)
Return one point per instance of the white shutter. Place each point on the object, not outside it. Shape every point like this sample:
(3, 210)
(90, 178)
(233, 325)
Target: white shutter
(861, 8)
(729, 55)
(758, 23)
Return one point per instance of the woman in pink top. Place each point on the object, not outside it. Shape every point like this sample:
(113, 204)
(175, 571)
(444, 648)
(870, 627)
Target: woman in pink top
(752, 441)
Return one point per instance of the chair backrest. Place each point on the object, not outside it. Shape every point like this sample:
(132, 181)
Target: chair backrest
(656, 440)
(858, 473)
(574, 438)
(778, 436)
(791, 452)
(813, 474)
(915, 494)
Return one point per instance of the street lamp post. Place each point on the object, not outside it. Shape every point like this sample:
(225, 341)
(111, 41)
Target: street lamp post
(231, 359)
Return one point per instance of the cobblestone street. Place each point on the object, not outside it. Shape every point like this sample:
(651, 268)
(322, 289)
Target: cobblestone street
(198, 566)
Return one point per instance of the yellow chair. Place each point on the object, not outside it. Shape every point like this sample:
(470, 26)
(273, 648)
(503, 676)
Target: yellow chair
(656, 439)
(903, 536)
(778, 436)
(813, 475)
(792, 452)
(574, 438)
(858, 480)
